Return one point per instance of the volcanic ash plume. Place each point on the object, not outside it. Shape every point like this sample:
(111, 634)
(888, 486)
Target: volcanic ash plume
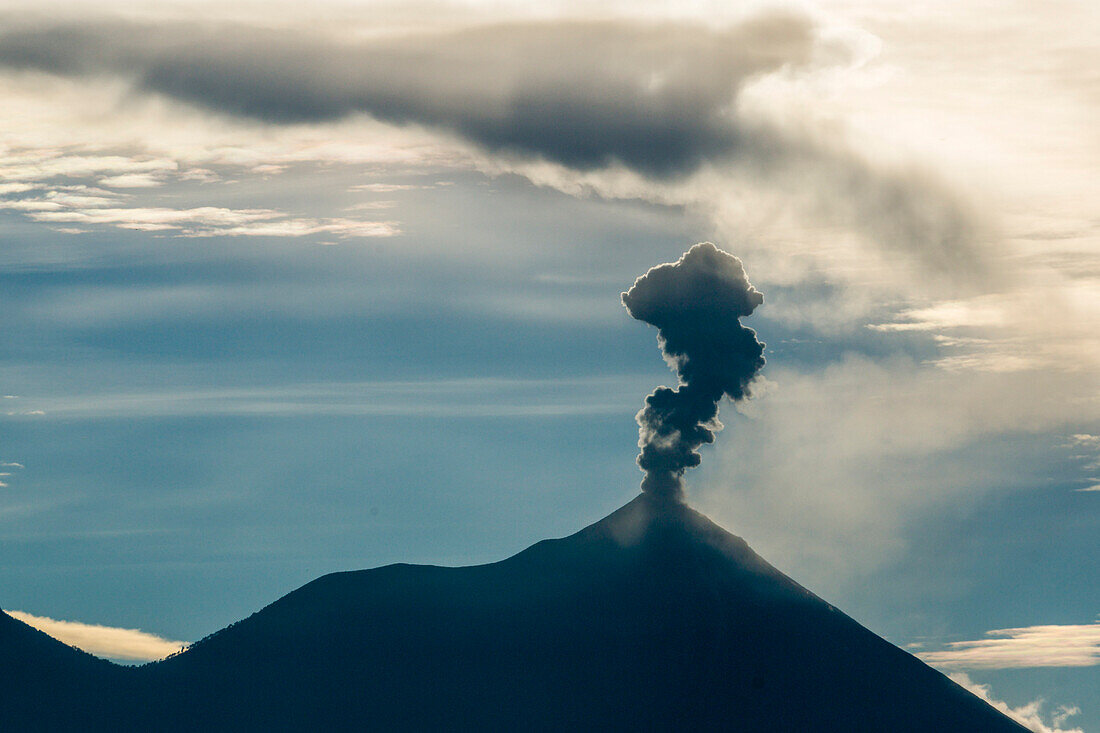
(696, 304)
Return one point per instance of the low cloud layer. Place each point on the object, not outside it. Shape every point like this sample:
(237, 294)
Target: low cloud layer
(1031, 646)
(103, 641)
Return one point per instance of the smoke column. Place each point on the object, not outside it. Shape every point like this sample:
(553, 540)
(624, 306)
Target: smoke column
(696, 304)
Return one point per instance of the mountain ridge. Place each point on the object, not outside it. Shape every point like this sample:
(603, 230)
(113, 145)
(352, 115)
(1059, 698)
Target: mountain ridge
(652, 618)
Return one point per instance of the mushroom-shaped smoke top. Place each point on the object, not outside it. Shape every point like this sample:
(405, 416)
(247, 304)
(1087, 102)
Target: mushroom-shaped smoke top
(696, 304)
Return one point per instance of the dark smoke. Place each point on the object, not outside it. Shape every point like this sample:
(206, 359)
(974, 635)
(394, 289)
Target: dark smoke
(696, 304)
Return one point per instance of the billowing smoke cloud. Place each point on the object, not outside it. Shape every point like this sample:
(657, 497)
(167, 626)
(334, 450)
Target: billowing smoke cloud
(696, 304)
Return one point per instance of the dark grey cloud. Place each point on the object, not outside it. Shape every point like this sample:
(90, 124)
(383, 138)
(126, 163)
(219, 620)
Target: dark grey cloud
(696, 304)
(657, 98)
(652, 97)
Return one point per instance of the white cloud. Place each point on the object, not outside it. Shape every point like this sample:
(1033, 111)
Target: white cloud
(202, 175)
(978, 312)
(8, 188)
(1031, 646)
(372, 206)
(159, 219)
(104, 641)
(29, 205)
(46, 164)
(1065, 712)
(82, 197)
(291, 227)
(1087, 449)
(79, 206)
(1028, 715)
(203, 221)
(384, 187)
(132, 180)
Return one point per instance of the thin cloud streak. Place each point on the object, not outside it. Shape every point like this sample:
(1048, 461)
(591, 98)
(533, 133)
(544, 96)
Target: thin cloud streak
(1031, 646)
(464, 398)
(104, 641)
(204, 221)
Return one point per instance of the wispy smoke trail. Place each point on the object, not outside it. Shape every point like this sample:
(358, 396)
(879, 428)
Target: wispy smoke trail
(696, 304)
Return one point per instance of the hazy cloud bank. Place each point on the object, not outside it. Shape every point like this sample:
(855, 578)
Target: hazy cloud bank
(862, 448)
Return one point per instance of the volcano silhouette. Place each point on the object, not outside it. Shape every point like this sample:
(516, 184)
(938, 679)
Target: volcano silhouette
(654, 618)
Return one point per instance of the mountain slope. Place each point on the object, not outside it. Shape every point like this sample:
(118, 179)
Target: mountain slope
(48, 685)
(654, 618)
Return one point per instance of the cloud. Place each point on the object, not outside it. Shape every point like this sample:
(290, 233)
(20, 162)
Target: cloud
(1031, 646)
(586, 94)
(5, 475)
(23, 167)
(104, 641)
(1084, 439)
(385, 187)
(489, 398)
(978, 312)
(869, 447)
(8, 188)
(68, 204)
(131, 180)
(1087, 449)
(1045, 324)
(1028, 715)
(203, 221)
(664, 101)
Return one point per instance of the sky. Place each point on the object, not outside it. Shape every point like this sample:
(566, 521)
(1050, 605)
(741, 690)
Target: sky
(286, 291)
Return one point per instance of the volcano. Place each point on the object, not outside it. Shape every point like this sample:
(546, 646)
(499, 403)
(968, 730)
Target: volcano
(654, 618)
